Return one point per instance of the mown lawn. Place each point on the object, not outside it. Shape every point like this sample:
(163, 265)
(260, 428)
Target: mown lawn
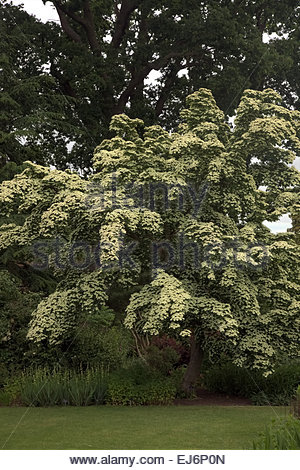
(153, 427)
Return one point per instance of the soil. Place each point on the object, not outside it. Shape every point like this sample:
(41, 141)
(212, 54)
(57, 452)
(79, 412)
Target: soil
(205, 397)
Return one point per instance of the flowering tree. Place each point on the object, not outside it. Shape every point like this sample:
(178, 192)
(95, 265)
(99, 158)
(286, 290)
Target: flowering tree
(177, 221)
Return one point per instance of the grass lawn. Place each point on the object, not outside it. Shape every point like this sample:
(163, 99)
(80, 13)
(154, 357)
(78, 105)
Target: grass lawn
(153, 427)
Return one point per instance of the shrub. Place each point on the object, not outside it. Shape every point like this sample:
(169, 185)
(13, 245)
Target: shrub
(99, 345)
(182, 349)
(139, 385)
(276, 389)
(296, 404)
(162, 360)
(3, 375)
(10, 393)
(155, 392)
(5, 399)
(177, 376)
(282, 434)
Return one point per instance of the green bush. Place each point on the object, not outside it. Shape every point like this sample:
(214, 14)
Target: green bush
(4, 374)
(276, 389)
(140, 385)
(10, 393)
(96, 344)
(156, 392)
(5, 398)
(282, 434)
(57, 388)
(162, 360)
(296, 404)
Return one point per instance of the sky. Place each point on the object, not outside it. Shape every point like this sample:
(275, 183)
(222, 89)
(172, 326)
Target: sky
(36, 7)
(47, 12)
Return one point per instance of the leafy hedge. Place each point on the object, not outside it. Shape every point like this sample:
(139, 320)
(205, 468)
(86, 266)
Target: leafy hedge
(140, 385)
(276, 389)
(156, 392)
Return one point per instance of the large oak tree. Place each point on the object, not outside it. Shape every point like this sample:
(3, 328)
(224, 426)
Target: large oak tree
(62, 83)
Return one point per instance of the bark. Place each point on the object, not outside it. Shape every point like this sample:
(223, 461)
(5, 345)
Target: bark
(66, 26)
(87, 22)
(90, 27)
(65, 85)
(122, 22)
(165, 92)
(142, 343)
(140, 76)
(194, 367)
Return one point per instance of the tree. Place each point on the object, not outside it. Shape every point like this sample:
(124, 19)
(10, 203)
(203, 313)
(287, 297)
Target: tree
(64, 83)
(175, 222)
(36, 121)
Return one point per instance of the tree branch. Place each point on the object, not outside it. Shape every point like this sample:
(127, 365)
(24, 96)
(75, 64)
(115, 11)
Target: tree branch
(90, 27)
(65, 24)
(87, 22)
(167, 87)
(68, 12)
(64, 84)
(140, 76)
(122, 22)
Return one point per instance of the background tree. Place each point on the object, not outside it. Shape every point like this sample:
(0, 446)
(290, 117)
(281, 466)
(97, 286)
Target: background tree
(35, 119)
(64, 83)
(235, 290)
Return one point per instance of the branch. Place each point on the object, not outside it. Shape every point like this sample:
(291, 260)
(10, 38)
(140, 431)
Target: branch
(87, 22)
(90, 27)
(65, 25)
(65, 84)
(137, 340)
(122, 22)
(68, 12)
(167, 87)
(140, 76)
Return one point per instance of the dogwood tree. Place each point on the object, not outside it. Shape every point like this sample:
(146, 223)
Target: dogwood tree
(177, 221)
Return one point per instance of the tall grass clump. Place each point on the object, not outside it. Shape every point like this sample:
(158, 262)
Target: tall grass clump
(283, 434)
(44, 387)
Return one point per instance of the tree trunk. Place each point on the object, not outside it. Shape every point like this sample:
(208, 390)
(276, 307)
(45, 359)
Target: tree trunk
(194, 367)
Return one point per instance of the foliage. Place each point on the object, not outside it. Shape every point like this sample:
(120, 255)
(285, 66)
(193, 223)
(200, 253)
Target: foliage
(282, 434)
(238, 295)
(45, 387)
(3, 374)
(296, 222)
(111, 346)
(62, 83)
(36, 121)
(180, 347)
(138, 385)
(16, 307)
(276, 389)
(153, 393)
(296, 403)
(162, 360)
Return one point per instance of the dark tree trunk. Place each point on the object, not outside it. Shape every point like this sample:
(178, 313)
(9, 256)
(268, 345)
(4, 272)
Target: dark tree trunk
(194, 367)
